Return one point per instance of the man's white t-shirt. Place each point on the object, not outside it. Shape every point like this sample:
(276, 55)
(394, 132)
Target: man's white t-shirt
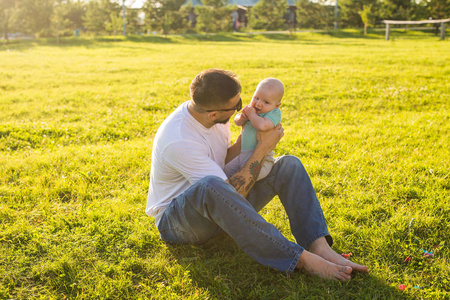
(184, 151)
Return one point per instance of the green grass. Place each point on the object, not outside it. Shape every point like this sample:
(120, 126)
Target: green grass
(368, 118)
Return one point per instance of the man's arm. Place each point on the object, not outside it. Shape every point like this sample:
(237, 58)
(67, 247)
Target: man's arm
(234, 150)
(246, 177)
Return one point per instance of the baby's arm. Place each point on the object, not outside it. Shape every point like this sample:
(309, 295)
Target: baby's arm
(260, 123)
(240, 119)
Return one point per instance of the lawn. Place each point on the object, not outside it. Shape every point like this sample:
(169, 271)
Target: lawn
(369, 119)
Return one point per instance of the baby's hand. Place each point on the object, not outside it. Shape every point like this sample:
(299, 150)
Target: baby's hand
(240, 119)
(248, 110)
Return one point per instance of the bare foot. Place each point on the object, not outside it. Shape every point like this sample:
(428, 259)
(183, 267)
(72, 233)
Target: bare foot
(316, 265)
(321, 248)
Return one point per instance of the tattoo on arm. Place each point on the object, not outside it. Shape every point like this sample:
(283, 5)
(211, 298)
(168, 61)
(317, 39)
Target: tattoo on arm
(237, 181)
(241, 182)
(255, 167)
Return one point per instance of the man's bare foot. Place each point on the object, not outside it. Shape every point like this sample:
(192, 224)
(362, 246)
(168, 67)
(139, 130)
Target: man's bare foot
(316, 265)
(321, 248)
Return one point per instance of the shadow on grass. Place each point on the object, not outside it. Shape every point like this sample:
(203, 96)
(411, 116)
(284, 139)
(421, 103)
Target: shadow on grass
(111, 42)
(352, 34)
(225, 271)
(69, 42)
(379, 33)
(301, 37)
(119, 41)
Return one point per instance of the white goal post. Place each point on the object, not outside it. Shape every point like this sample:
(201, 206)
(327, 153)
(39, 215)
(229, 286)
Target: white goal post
(393, 22)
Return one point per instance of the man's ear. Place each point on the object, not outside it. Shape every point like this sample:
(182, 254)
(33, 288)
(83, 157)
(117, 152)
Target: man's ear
(278, 104)
(213, 115)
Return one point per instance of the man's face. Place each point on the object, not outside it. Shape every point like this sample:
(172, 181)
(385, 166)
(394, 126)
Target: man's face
(224, 116)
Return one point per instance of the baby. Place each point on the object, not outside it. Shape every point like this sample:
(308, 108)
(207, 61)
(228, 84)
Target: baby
(261, 114)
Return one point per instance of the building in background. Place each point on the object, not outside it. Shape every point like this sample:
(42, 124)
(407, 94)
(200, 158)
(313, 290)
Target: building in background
(242, 10)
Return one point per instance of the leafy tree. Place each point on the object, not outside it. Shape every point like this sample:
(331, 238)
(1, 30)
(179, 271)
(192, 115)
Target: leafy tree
(314, 14)
(34, 16)
(396, 9)
(439, 9)
(98, 15)
(59, 19)
(268, 14)
(350, 11)
(133, 23)
(115, 24)
(214, 16)
(367, 17)
(421, 10)
(164, 15)
(205, 18)
(76, 13)
(6, 15)
(187, 13)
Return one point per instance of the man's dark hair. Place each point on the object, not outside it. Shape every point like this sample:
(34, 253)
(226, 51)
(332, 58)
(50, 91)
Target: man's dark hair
(214, 87)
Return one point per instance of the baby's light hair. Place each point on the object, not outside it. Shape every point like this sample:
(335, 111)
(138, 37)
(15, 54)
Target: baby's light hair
(272, 83)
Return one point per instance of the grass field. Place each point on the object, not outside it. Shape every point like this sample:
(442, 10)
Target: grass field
(370, 120)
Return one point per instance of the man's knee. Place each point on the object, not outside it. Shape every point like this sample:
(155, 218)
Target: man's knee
(215, 183)
(291, 161)
(220, 188)
(213, 180)
(290, 166)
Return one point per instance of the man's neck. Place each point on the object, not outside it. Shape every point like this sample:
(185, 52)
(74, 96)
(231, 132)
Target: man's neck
(201, 118)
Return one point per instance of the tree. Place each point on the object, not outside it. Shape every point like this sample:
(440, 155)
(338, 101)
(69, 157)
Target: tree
(34, 16)
(396, 9)
(133, 22)
(420, 10)
(367, 17)
(268, 14)
(205, 18)
(187, 12)
(6, 14)
(214, 16)
(164, 15)
(314, 14)
(439, 9)
(98, 15)
(115, 24)
(59, 19)
(76, 13)
(350, 11)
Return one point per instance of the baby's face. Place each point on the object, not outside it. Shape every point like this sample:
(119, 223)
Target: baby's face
(265, 100)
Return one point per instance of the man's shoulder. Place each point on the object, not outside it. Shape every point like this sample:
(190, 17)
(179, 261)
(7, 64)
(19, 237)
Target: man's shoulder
(173, 123)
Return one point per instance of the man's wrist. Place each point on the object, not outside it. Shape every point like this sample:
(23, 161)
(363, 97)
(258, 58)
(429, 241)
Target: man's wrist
(261, 152)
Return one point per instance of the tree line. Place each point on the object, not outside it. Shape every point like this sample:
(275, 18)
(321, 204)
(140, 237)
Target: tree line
(103, 17)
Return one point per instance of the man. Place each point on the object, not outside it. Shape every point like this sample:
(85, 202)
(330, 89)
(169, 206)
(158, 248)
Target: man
(192, 199)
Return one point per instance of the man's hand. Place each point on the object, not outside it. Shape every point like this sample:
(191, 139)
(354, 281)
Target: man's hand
(245, 178)
(268, 140)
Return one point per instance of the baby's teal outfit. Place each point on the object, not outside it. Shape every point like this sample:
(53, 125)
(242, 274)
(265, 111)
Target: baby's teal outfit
(248, 144)
(249, 140)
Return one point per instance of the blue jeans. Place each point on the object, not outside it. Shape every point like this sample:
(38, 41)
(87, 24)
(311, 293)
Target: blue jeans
(211, 206)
